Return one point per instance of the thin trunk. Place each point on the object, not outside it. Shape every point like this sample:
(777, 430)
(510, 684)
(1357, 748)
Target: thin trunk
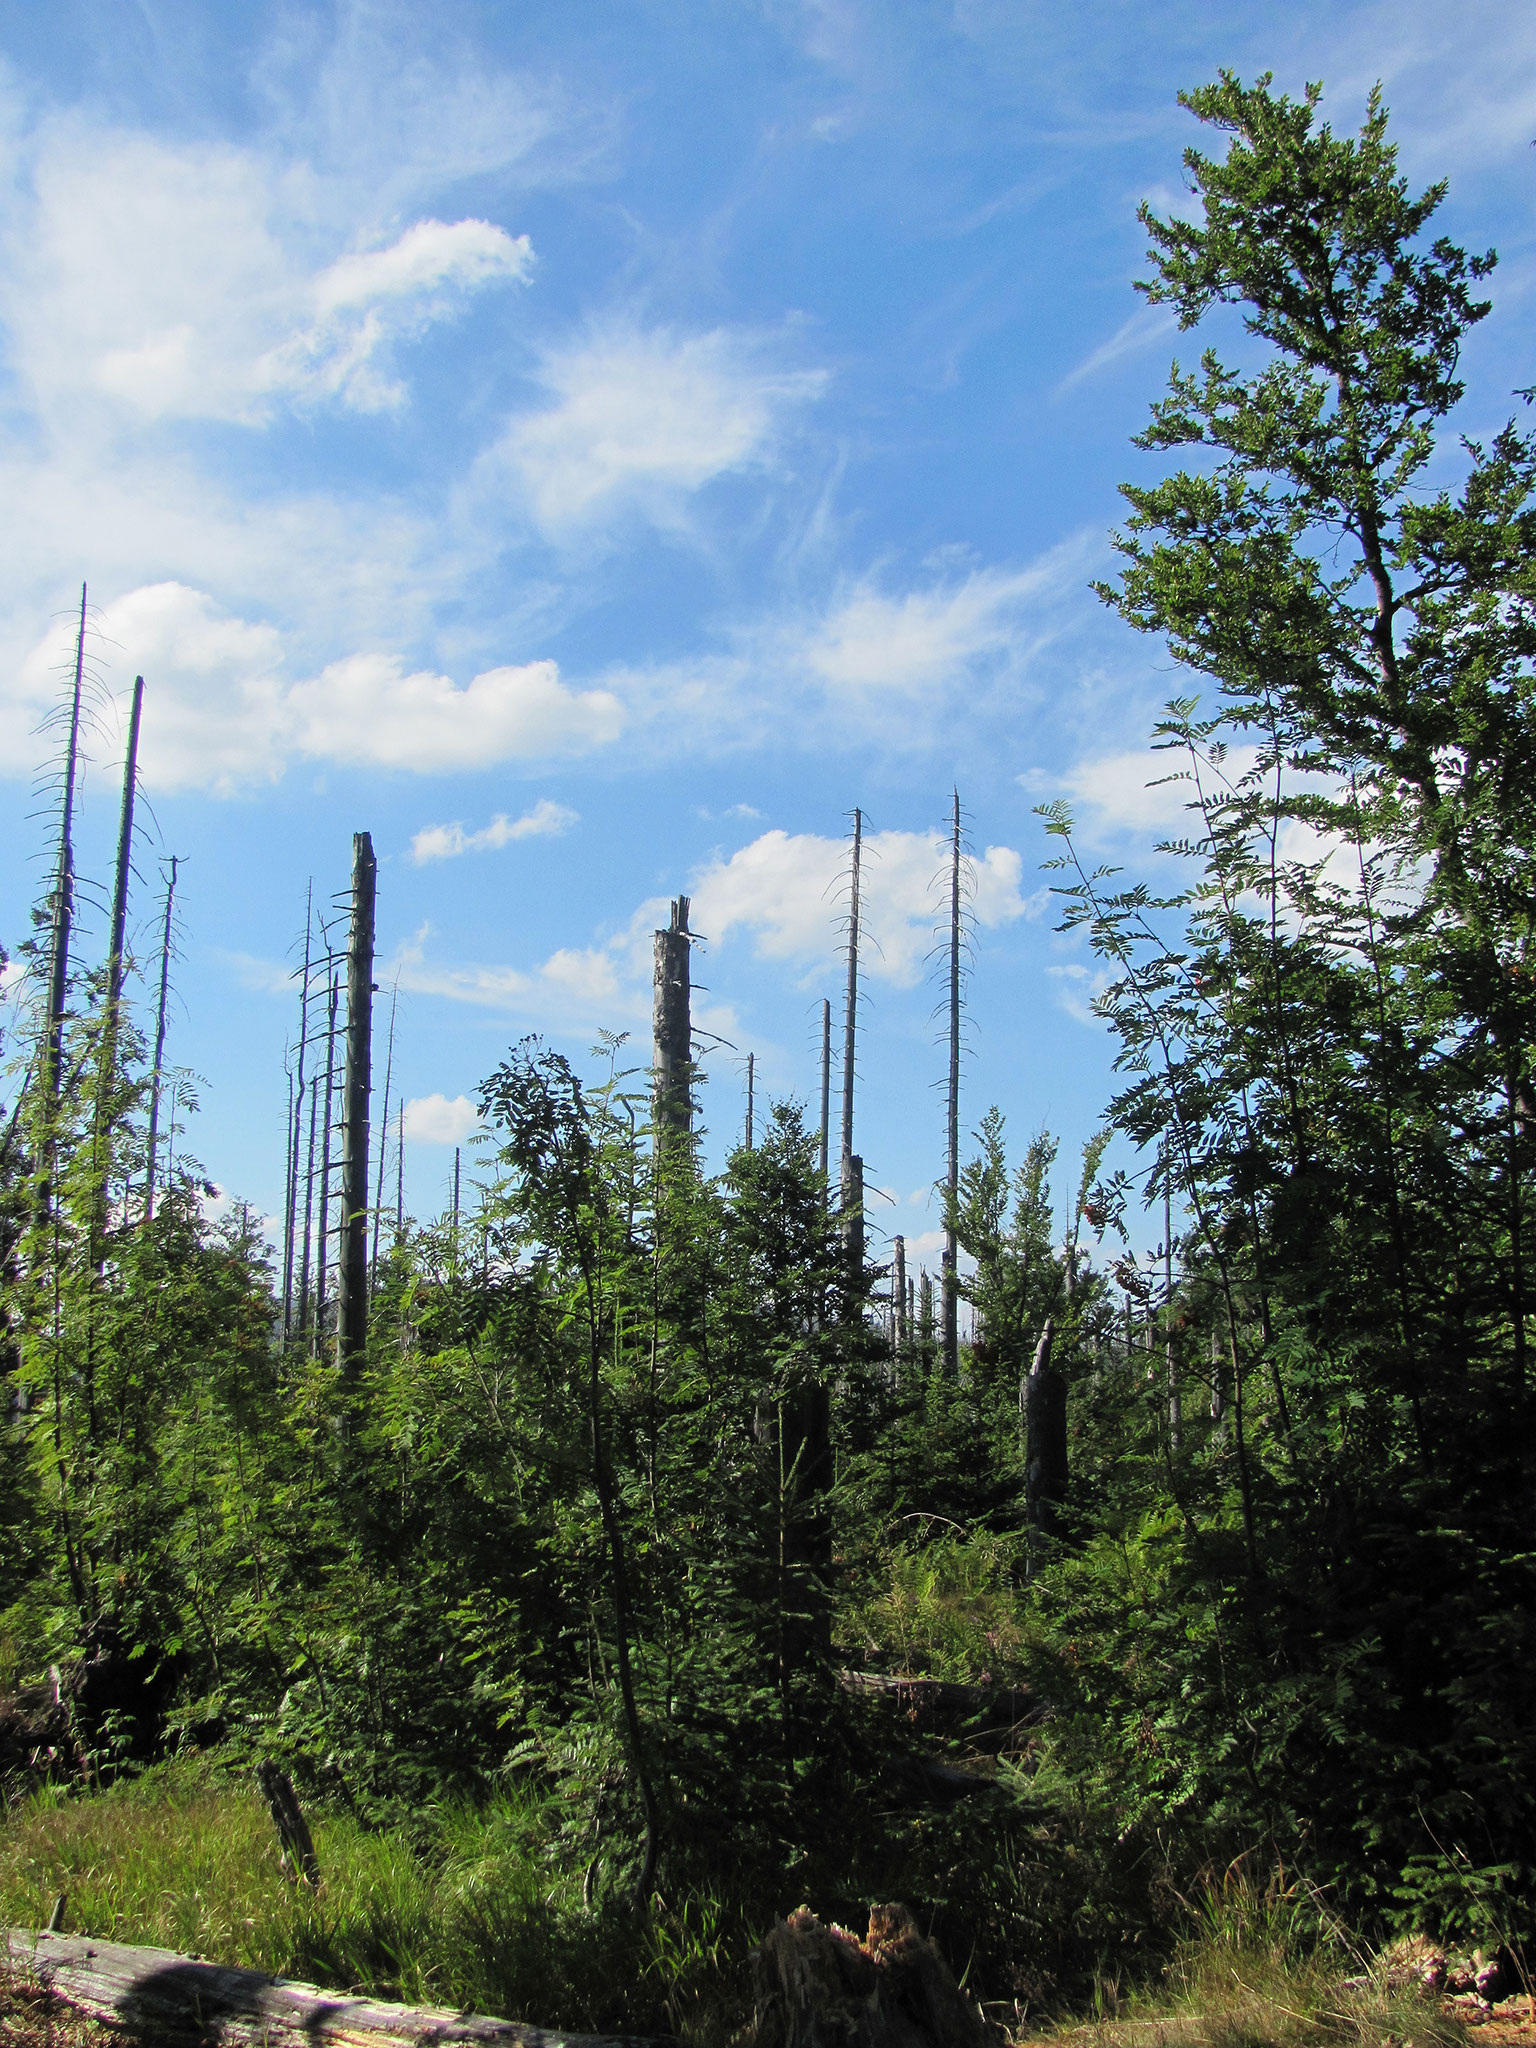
(400, 1179)
(305, 1324)
(323, 1247)
(952, 1118)
(1175, 1407)
(826, 1090)
(64, 885)
(290, 1165)
(901, 1293)
(158, 1074)
(298, 1092)
(751, 1077)
(106, 1084)
(378, 1193)
(116, 958)
(352, 1236)
(852, 1220)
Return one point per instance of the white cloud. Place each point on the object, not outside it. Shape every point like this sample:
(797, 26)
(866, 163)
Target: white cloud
(1139, 791)
(786, 890)
(369, 298)
(440, 1119)
(1148, 324)
(364, 708)
(445, 842)
(900, 644)
(220, 714)
(643, 419)
(180, 281)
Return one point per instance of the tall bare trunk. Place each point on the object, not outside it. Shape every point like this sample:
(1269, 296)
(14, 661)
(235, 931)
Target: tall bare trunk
(826, 1090)
(751, 1078)
(400, 1179)
(106, 1086)
(352, 1248)
(323, 1245)
(899, 1295)
(298, 1126)
(378, 1193)
(306, 1326)
(672, 1029)
(64, 885)
(158, 1074)
(852, 1208)
(952, 1112)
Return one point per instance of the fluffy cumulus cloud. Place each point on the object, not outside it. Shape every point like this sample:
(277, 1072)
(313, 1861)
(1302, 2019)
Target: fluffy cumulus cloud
(367, 709)
(177, 281)
(221, 714)
(446, 842)
(642, 419)
(602, 985)
(789, 892)
(439, 1119)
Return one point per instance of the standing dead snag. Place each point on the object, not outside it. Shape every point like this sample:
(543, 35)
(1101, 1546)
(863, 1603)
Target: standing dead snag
(1043, 1398)
(852, 1204)
(297, 1844)
(826, 1092)
(672, 1028)
(158, 1073)
(952, 1108)
(899, 1294)
(352, 1262)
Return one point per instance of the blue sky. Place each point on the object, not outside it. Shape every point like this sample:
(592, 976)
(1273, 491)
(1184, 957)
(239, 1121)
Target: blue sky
(594, 446)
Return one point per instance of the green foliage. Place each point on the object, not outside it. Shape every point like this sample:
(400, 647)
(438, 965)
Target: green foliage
(549, 1603)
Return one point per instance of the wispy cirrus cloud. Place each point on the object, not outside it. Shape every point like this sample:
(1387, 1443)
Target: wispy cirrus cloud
(639, 420)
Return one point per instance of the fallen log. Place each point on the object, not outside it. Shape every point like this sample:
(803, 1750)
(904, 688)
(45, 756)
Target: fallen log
(161, 1996)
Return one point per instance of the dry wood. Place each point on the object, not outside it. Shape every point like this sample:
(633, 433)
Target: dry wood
(672, 1028)
(821, 1987)
(298, 1846)
(352, 1248)
(163, 1996)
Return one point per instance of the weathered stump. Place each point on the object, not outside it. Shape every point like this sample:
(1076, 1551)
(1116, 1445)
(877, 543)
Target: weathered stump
(821, 1987)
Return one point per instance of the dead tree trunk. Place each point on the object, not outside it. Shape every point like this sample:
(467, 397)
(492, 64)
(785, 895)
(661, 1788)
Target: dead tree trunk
(156, 1995)
(952, 1114)
(1043, 1397)
(352, 1250)
(852, 1208)
(378, 1192)
(296, 1843)
(63, 907)
(323, 1244)
(751, 1078)
(158, 1074)
(672, 1030)
(899, 1294)
(826, 1091)
(298, 1129)
(106, 1081)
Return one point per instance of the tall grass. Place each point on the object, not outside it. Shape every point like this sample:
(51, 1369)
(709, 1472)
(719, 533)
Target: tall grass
(1264, 1966)
(472, 1914)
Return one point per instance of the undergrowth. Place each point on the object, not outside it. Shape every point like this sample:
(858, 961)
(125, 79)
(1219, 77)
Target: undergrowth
(470, 1912)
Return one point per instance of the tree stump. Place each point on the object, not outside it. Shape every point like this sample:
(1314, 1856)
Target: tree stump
(821, 1987)
(298, 1848)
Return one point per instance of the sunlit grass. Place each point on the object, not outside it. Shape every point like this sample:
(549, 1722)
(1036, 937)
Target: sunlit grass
(1264, 1968)
(473, 1916)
